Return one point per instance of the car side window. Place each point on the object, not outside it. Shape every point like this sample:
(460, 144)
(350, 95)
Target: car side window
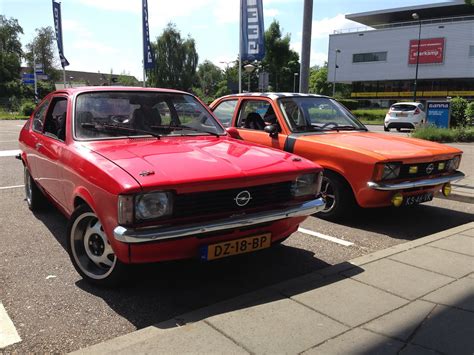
(38, 118)
(251, 114)
(224, 112)
(55, 122)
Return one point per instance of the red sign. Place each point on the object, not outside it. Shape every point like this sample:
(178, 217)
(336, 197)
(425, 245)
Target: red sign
(431, 51)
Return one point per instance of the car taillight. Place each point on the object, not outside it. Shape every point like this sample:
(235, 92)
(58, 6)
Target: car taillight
(417, 111)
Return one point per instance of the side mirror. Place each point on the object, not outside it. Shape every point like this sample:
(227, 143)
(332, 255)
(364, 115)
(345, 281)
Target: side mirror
(272, 130)
(233, 132)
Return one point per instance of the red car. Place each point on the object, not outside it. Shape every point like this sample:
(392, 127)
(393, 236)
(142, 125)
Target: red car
(147, 175)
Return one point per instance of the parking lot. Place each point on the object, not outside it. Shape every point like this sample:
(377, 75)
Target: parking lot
(52, 309)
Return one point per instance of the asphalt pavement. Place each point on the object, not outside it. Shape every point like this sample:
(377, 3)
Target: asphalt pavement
(52, 310)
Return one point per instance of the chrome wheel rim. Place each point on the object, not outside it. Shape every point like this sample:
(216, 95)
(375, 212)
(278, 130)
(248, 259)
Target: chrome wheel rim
(90, 248)
(328, 194)
(28, 187)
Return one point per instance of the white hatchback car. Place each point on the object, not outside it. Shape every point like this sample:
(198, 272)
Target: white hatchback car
(404, 115)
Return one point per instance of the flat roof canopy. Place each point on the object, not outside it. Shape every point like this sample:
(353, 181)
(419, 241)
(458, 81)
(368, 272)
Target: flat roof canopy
(403, 14)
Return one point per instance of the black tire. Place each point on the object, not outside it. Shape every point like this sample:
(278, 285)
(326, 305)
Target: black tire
(338, 195)
(96, 263)
(34, 197)
(386, 129)
(399, 129)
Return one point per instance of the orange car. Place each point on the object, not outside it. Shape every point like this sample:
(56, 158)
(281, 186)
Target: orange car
(367, 168)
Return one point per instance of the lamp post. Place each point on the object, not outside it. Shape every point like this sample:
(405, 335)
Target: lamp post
(249, 68)
(335, 69)
(416, 17)
(295, 76)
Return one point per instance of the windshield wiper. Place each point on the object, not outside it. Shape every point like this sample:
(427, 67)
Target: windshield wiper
(346, 128)
(183, 128)
(104, 126)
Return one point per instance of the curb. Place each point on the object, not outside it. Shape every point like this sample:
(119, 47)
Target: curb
(268, 293)
(457, 197)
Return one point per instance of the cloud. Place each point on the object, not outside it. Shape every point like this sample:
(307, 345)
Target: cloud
(326, 26)
(114, 5)
(94, 46)
(74, 26)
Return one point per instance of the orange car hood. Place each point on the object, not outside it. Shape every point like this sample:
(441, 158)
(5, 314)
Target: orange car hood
(381, 146)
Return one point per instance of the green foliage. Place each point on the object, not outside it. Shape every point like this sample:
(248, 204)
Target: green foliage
(458, 112)
(469, 113)
(318, 80)
(126, 79)
(10, 56)
(176, 61)
(280, 61)
(350, 104)
(43, 46)
(27, 108)
(432, 133)
(209, 76)
(370, 114)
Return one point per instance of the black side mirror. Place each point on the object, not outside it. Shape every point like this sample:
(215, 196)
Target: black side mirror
(272, 130)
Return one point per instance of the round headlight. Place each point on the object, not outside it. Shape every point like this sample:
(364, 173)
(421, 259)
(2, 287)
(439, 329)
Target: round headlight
(153, 205)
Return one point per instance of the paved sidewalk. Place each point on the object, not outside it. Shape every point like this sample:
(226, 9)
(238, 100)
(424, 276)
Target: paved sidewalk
(463, 190)
(416, 297)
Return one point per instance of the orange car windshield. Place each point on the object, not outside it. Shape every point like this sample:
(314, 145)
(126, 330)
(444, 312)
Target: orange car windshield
(308, 114)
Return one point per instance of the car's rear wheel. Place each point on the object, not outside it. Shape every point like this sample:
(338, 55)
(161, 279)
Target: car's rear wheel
(338, 196)
(34, 197)
(386, 129)
(90, 250)
(399, 129)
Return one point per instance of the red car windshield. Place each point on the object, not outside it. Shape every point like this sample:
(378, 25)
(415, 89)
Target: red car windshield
(115, 114)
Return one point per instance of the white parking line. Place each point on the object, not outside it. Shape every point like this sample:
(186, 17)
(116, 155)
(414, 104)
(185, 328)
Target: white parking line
(11, 187)
(9, 153)
(325, 237)
(8, 333)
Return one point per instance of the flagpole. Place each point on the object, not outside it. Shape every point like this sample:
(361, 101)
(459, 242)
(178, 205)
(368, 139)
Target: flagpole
(144, 44)
(64, 76)
(240, 48)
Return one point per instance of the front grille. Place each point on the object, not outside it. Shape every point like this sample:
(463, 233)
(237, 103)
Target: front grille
(223, 201)
(404, 170)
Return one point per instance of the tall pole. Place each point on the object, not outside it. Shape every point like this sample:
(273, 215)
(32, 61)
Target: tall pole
(417, 17)
(335, 69)
(306, 45)
(34, 74)
(240, 47)
(144, 44)
(64, 77)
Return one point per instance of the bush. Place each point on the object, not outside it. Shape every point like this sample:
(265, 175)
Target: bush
(370, 114)
(27, 108)
(469, 113)
(458, 112)
(446, 135)
(350, 104)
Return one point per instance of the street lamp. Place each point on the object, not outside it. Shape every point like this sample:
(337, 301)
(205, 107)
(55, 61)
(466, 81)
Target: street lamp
(335, 68)
(249, 68)
(295, 75)
(416, 17)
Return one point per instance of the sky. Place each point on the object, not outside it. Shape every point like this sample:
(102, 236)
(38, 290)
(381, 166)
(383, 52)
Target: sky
(105, 35)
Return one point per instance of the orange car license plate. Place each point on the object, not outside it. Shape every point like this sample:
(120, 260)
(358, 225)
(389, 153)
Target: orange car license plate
(236, 246)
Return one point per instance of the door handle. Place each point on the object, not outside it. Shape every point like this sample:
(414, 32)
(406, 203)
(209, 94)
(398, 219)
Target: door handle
(38, 146)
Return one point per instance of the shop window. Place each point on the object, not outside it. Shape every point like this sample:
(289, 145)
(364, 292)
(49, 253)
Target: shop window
(369, 57)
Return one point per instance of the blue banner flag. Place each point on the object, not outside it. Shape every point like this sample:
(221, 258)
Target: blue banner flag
(59, 32)
(148, 59)
(251, 30)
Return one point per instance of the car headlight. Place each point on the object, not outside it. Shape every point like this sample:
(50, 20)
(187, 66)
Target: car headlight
(144, 207)
(387, 171)
(307, 184)
(453, 164)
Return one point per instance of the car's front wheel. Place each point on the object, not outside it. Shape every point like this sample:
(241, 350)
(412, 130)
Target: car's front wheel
(386, 129)
(90, 250)
(338, 196)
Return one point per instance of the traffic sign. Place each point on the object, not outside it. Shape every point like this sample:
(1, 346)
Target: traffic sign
(42, 76)
(27, 76)
(28, 81)
(39, 68)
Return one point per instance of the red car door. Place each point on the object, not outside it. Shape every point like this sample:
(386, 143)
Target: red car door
(50, 146)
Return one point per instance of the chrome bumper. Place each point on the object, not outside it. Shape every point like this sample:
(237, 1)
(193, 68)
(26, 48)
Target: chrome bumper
(418, 183)
(129, 235)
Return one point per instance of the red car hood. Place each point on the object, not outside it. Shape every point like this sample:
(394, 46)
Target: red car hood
(196, 161)
(382, 146)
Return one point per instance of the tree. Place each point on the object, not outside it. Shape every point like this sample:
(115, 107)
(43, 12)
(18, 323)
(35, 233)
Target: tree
(10, 57)
(318, 80)
(43, 46)
(280, 61)
(126, 79)
(209, 76)
(175, 61)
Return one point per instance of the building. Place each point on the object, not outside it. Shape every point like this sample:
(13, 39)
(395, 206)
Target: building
(380, 58)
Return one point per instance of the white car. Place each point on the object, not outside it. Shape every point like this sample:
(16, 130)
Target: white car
(404, 115)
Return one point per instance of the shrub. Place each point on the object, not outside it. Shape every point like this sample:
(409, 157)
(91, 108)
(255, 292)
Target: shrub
(458, 112)
(27, 108)
(446, 135)
(469, 113)
(350, 104)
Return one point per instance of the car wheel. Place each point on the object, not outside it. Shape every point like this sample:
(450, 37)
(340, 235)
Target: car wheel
(399, 129)
(34, 197)
(338, 196)
(90, 250)
(386, 129)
